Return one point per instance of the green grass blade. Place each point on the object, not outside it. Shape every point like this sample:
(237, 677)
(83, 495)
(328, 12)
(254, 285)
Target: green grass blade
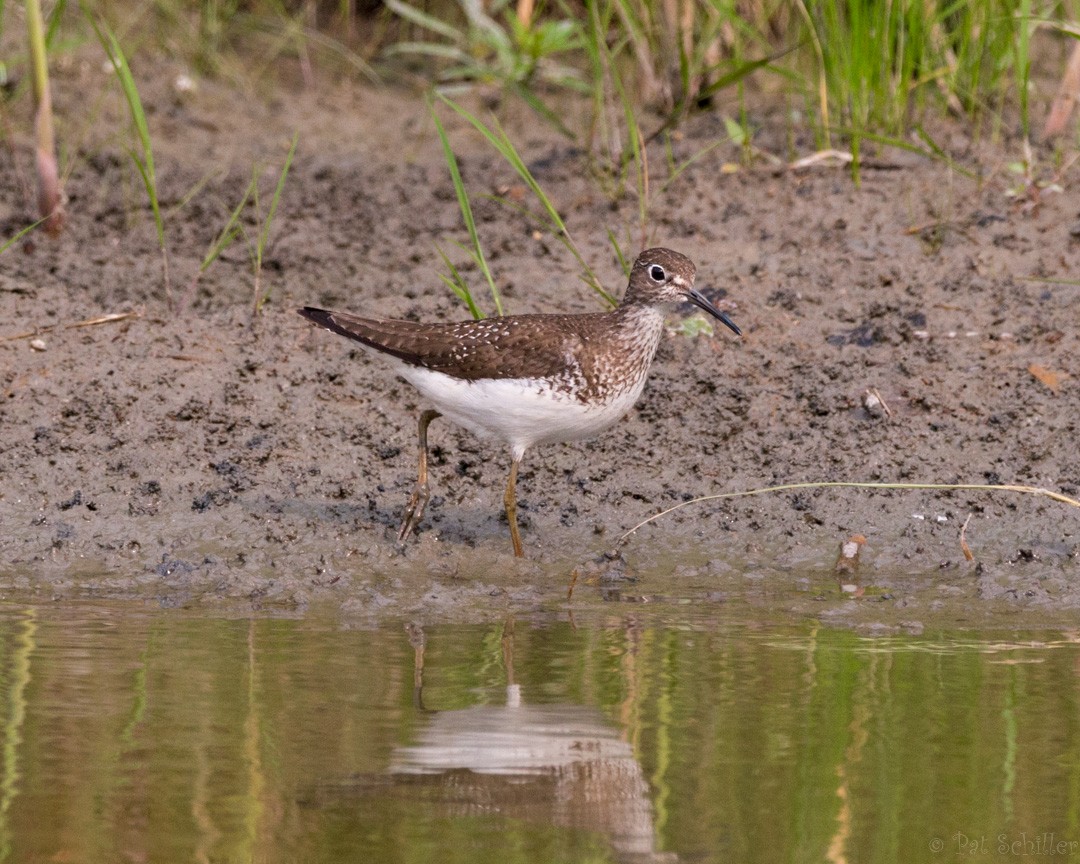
(195, 189)
(677, 169)
(147, 170)
(740, 72)
(264, 234)
(11, 241)
(262, 239)
(931, 151)
(498, 139)
(458, 285)
(624, 262)
(55, 17)
(229, 233)
(145, 162)
(428, 22)
(533, 101)
(477, 250)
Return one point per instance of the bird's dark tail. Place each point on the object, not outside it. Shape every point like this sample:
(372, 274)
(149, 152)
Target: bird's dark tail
(328, 320)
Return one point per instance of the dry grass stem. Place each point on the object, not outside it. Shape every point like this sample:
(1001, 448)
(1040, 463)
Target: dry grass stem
(829, 158)
(844, 484)
(1067, 95)
(89, 322)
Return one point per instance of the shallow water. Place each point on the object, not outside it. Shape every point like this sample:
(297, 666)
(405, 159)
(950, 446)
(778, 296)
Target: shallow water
(135, 735)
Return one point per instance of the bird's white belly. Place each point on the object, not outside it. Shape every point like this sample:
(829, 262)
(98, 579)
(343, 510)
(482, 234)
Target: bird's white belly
(522, 413)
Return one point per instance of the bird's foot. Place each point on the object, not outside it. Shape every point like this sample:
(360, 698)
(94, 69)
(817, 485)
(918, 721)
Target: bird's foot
(414, 512)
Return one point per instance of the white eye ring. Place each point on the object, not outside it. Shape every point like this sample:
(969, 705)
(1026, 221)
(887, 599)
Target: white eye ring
(656, 273)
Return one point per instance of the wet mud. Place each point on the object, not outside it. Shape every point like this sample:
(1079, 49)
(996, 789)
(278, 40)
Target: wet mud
(919, 328)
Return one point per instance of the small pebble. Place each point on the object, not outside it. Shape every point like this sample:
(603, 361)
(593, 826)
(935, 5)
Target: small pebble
(184, 84)
(37, 344)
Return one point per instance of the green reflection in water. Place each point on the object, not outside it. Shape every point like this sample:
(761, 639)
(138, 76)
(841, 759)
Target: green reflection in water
(130, 735)
(14, 683)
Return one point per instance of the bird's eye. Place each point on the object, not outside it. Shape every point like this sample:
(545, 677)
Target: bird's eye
(656, 273)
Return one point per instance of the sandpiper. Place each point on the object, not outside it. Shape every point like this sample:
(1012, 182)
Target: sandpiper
(530, 379)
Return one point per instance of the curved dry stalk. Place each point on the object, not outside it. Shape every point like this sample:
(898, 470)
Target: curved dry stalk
(784, 487)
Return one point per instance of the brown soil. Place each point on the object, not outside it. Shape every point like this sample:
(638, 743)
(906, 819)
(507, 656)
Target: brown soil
(196, 459)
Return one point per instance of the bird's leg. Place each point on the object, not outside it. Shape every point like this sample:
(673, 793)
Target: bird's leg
(421, 493)
(510, 501)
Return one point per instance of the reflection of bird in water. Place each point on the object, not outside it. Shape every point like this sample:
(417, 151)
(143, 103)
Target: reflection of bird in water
(563, 765)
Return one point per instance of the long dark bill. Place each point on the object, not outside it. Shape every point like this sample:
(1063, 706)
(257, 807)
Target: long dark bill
(698, 299)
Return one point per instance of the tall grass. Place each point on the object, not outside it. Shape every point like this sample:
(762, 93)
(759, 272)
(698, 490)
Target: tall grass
(882, 65)
(857, 66)
(864, 71)
(858, 71)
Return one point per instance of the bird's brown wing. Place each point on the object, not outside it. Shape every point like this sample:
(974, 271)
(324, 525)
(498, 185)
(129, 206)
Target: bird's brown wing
(519, 346)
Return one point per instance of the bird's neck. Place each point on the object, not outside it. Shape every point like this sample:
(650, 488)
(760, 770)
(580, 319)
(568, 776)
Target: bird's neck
(633, 315)
(640, 328)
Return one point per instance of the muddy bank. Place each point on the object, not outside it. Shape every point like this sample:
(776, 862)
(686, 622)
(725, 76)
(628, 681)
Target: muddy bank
(201, 460)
